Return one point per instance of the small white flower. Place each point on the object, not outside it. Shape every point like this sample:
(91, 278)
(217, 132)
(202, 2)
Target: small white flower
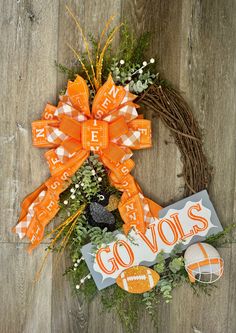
(74, 268)
(93, 172)
(140, 71)
(76, 185)
(144, 63)
(122, 62)
(82, 184)
(72, 196)
(152, 60)
(72, 190)
(77, 286)
(66, 202)
(75, 264)
(89, 277)
(82, 280)
(99, 179)
(129, 78)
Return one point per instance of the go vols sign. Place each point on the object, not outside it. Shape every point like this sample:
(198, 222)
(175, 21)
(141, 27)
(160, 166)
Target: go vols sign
(188, 221)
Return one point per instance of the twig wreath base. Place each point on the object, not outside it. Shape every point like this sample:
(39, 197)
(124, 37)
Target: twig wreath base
(90, 183)
(177, 116)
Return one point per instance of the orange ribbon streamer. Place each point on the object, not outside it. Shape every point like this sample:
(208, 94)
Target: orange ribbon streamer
(111, 130)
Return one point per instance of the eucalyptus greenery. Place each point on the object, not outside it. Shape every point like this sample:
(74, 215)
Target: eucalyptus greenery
(127, 66)
(87, 185)
(128, 306)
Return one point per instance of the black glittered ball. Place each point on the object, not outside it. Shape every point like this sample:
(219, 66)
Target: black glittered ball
(98, 216)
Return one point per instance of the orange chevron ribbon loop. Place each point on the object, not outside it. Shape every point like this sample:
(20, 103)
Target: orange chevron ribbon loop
(72, 132)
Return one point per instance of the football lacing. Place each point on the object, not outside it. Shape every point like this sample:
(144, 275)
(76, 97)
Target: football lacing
(136, 277)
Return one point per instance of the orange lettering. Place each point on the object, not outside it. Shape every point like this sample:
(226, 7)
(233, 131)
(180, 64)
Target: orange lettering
(175, 216)
(129, 251)
(153, 246)
(173, 229)
(114, 266)
(197, 218)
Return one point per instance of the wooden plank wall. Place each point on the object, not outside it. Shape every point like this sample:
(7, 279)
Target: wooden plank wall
(195, 43)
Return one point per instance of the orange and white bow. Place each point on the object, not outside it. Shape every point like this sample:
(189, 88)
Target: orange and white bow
(111, 130)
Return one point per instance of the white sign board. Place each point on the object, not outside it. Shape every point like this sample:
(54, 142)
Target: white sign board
(189, 220)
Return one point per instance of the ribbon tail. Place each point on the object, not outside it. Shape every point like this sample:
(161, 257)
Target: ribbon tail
(56, 166)
(28, 213)
(42, 205)
(29, 199)
(135, 210)
(44, 212)
(154, 208)
(138, 212)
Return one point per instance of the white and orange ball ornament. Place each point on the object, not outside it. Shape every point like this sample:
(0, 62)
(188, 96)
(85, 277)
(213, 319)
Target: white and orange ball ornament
(138, 279)
(203, 263)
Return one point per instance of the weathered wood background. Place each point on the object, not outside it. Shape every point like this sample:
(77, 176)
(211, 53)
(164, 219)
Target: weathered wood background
(195, 43)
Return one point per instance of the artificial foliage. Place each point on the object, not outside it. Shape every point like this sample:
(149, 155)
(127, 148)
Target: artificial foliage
(128, 307)
(89, 184)
(171, 270)
(128, 66)
(90, 187)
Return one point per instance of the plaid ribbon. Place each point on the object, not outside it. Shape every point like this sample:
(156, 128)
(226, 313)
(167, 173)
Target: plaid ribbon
(112, 128)
(54, 135)
(68, 110)
(131, 139)
(62, 154)
(22, 226)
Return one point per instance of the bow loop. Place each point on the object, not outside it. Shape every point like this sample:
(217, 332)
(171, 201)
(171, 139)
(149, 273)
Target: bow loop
(118, 128)
(65, 109)
(79, 95)
(108, 97)
(71, 133)
(70, 127)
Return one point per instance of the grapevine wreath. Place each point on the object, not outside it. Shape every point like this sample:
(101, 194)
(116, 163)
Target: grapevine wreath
(92, 134)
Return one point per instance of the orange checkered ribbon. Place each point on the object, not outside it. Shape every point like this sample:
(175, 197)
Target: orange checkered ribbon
(111, 130)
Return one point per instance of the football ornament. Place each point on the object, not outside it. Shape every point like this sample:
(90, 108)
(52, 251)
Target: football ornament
(138, 279)
(203, 263)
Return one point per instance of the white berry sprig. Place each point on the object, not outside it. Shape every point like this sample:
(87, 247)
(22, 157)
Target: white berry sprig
(82, 281)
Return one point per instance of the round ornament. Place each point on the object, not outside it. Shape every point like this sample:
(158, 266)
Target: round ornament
(203, 263)
(100, 216)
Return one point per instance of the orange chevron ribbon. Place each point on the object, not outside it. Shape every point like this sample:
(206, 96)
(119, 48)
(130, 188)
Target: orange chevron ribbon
(111, 130)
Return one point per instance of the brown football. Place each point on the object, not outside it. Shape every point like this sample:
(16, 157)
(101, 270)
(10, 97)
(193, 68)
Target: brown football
(138, 279)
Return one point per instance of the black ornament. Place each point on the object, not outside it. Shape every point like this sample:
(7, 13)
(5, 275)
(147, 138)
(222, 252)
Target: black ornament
(98, 216)
(89, 218)
(103, 198)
